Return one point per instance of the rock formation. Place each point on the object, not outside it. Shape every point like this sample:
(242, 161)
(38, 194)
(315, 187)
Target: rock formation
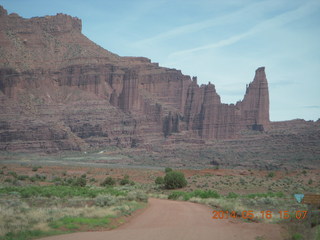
(61, 91)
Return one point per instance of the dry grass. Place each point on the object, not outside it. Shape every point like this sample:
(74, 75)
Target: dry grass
(17, 215)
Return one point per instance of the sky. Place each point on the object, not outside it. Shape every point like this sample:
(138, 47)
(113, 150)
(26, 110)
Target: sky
(223, 42)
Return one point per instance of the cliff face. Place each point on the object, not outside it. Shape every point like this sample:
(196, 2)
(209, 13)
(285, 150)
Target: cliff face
(60, 91)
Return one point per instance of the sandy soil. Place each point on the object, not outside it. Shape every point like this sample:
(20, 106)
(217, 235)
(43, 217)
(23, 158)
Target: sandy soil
(167, 220)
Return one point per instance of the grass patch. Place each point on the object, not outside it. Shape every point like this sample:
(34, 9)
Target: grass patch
(26, 235)
(36, 211)
(197, 193)
(232, 195)
(76, 223)
(60, 191)
(264, 195)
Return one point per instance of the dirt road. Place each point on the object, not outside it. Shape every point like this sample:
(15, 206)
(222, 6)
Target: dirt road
(174, 220)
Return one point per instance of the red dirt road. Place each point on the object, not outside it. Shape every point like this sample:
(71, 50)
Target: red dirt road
(174, 220)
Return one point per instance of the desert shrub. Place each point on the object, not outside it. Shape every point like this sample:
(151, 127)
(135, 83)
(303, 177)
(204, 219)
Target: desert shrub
(75, 181)
(270, 175)
(33, 179)
(297, 236)
(268, 201)
(141, 196)
(264, 195)
(68, 181)
(251, 202)
(126, 181)
(105, 200)
(28, 234)
(60, 191)
(232, 195)
(167, 169)
(205, 194)
(195, 194)
(40, 177)
(13, 174)
(137, 196)
(80, 182)
(8, 180)
(242, 181)
(109, 181)
(310, 181)
(56, 179)
(177, 195)
(34, 169)
(173, 180)
(159, 181)
(22, 177)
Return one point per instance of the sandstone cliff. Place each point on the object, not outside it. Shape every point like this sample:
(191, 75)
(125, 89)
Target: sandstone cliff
(61, 91)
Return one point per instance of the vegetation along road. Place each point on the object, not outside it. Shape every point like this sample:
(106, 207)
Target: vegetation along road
(165, 219)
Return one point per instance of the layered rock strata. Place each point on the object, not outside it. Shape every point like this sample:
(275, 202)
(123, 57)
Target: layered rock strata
(61, 91)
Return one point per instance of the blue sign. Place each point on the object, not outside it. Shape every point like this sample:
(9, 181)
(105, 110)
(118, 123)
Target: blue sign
(299, 197)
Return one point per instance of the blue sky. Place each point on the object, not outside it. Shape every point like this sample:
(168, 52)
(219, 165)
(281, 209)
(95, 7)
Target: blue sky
(218, 41)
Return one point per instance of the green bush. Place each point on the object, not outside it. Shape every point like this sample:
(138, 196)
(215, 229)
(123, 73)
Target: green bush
(205, 194)
(174, 180)
(232, 195)
(167, 169)
(270, 175)
(126, 181)
(109, 181)
(80, 182)
(159, 181)
(177, 194)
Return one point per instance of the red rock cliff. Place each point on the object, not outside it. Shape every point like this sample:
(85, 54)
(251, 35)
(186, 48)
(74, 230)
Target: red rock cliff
(59, 90)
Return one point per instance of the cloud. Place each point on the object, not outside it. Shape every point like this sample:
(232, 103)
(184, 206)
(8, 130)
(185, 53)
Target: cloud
(219, 44)
(277, 21)
(281, 83)
(198, 26)
(312, 107)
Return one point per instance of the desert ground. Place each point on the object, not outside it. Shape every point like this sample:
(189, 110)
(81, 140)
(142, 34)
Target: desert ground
(42, 200)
